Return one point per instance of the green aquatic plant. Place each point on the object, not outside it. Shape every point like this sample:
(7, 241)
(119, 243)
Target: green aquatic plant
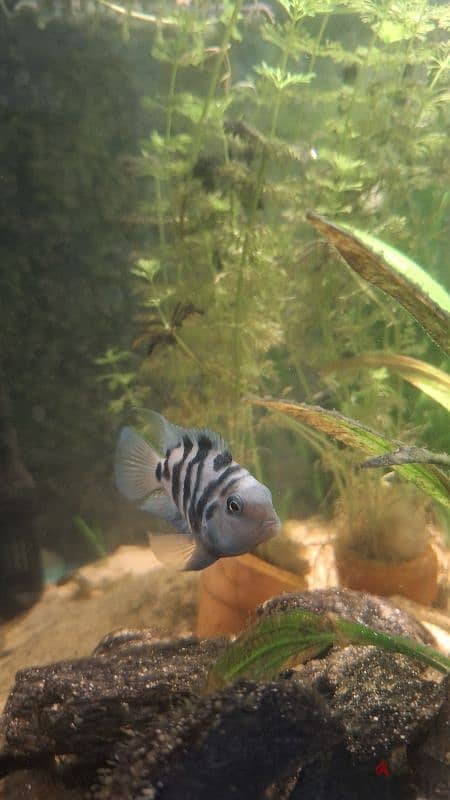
(287, 638)
(92, 535)
(394, 273)
(173, 209)
(354, 434)
(252, 121)
(431, 381)
(429, 303)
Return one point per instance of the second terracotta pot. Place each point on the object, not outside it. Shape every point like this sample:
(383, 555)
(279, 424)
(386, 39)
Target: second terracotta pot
(416, 578)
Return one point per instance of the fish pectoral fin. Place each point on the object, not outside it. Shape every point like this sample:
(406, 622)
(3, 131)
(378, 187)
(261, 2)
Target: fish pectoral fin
(161, 505)
(135, 465)
(173, 549)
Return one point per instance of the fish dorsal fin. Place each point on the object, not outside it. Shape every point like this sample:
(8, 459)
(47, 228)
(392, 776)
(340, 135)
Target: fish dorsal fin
(165, 436)
(180, 551)
(161, 505)
(134, 466)
(216, 439)
(173, 549)
(162, 433)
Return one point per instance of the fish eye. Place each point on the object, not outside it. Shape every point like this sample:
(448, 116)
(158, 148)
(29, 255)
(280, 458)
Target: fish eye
(234, 504)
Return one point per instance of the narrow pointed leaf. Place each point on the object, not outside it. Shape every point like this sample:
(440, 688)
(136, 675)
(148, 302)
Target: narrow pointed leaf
(408, 455)
(349, 632)
(394, 273)
(352, 433)
(430, 380)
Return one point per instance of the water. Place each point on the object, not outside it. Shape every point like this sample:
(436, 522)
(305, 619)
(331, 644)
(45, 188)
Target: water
(156, 170)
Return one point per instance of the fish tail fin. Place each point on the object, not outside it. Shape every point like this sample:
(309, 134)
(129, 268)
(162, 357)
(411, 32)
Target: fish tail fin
(135, 466)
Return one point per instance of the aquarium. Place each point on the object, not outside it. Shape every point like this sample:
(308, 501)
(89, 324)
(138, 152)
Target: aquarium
(224, 399)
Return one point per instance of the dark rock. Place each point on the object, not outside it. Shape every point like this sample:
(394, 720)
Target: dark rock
(81, 707)
(430, 758)
(37, 784)
(232, 744)
(345, 780)
(134, 720)
(381, 699)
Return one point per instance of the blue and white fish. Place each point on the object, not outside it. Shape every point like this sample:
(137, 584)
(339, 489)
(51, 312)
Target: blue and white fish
(217, 506)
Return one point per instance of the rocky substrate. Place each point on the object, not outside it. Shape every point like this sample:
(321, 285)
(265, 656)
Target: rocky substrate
(135, 721)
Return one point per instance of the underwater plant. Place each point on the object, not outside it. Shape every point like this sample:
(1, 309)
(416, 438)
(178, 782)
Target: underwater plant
(430, 304)
(253, 120)
(291, 637)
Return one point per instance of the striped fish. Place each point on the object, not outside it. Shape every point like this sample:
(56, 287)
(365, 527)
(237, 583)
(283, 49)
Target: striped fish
(217, 506)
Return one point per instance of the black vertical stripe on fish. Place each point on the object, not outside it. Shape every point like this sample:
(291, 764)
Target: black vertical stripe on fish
(187, 484)
(229, 485)
(166, 471)
(187, 447)
(222, 460)
(211, 489)
(204, 446)
(204, 442)
(158, 471)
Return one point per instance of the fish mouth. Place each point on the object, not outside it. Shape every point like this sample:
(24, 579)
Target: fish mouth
(271, 527)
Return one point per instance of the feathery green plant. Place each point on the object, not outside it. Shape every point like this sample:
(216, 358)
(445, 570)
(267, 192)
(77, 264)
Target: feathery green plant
(255, 120)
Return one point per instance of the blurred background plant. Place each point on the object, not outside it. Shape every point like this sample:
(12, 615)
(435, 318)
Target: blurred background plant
(159, 162)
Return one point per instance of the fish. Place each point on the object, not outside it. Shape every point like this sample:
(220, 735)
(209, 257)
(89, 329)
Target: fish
(187, 476)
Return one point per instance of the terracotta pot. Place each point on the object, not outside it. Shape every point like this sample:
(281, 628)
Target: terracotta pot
(232, 588)
(416, 578)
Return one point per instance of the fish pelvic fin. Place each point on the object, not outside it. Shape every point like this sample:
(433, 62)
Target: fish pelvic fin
(200, 559)
(180, 551)
(172, 549)
(135, 466)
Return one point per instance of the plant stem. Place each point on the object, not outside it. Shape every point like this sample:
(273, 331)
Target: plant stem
(362, 72)
(212, 88)
(171, 99)
(245, 255)
(322, 28)
(159, 211)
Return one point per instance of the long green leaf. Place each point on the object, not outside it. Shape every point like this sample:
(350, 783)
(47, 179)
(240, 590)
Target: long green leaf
(430, 380)
(352, 433)
(349, 632)
(393, 272)
(288, 638)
